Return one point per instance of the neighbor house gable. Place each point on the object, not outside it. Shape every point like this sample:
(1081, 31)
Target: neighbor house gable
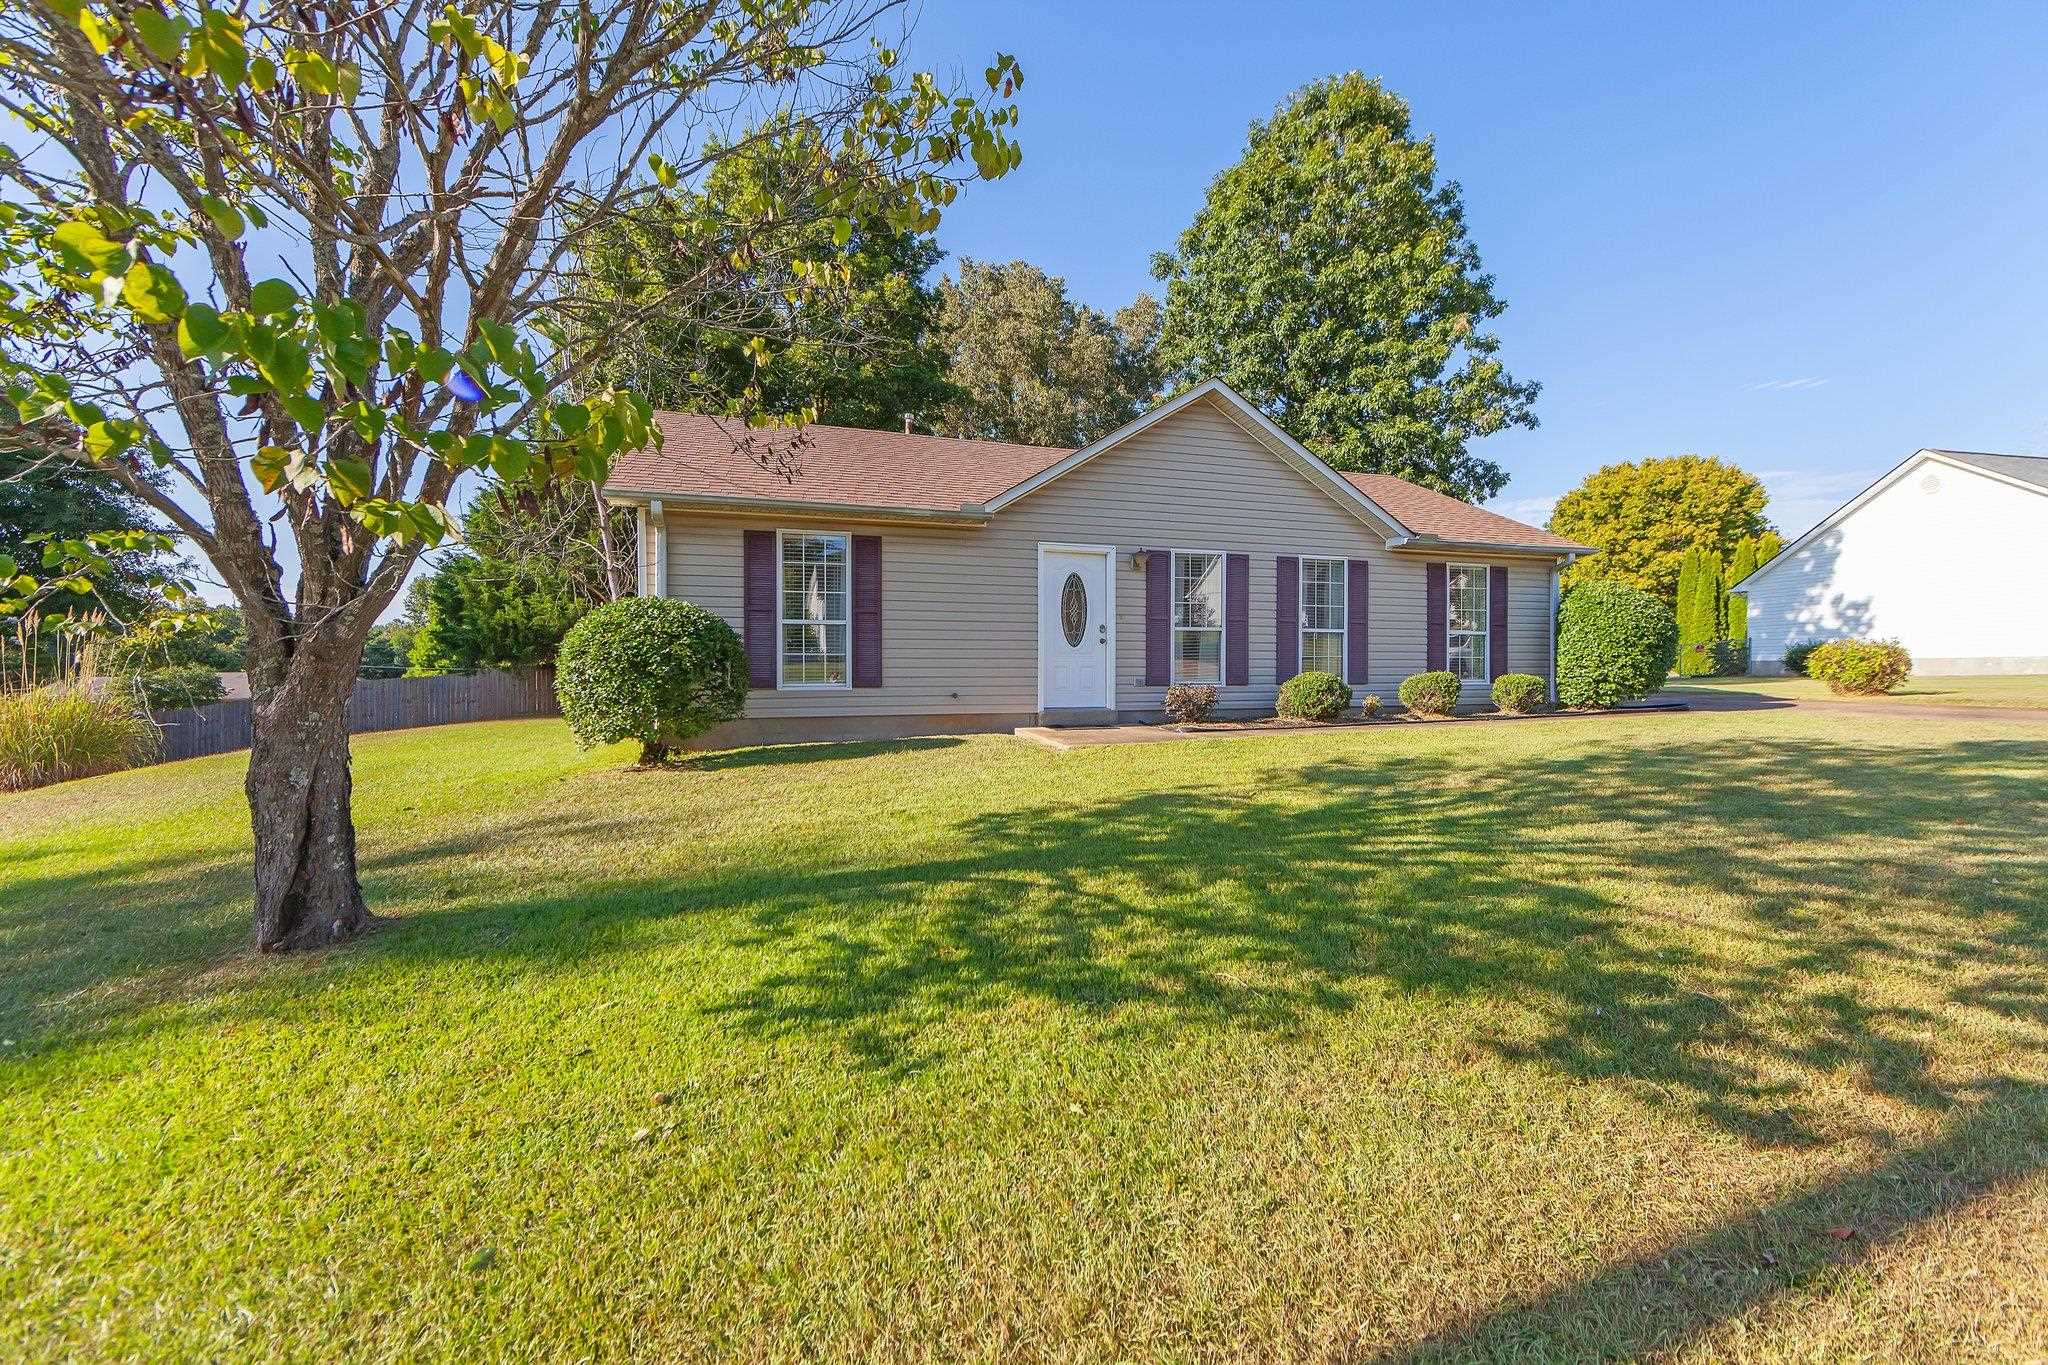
(2008, 469)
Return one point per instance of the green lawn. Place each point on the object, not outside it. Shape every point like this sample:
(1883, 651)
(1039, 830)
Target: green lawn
(1546, 1039)
(2025, 689)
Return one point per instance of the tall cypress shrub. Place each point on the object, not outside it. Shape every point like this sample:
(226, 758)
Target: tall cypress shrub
(1736, 610)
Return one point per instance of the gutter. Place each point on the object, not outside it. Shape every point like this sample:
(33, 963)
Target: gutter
(968, 514)
(1425, 542)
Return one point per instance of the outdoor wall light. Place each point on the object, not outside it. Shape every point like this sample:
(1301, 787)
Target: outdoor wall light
(1138, 558)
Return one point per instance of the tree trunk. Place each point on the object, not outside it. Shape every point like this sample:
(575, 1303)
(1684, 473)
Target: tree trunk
(307, 894)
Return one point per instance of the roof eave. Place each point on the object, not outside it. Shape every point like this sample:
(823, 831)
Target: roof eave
(967, 514)
(1421, 542)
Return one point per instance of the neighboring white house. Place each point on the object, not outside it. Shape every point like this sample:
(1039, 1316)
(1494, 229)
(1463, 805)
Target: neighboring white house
(1947, 553)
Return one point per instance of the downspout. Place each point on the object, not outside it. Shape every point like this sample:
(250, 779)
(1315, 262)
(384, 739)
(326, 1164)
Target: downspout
(660, 520)
(640, 551)
(1555, 578)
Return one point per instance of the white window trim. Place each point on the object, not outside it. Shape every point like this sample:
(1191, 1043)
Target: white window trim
(1485, 631)
(1222, 626)
(1301, 626)
(782, 621)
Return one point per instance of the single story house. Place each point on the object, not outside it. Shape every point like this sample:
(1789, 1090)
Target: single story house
(896, 582)
(1945, 554)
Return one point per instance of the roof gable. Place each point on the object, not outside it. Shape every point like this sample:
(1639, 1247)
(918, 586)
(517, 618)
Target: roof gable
(2024, 471)
(1244, 415)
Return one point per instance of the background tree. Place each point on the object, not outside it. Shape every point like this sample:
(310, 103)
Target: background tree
(1032, 365)
(1645, 515)
(1735, 605)
(291, 271)
(565, 527)
(57, 497)
(1328, 279)
(862, 357)
(1700, 618)
(487, 613)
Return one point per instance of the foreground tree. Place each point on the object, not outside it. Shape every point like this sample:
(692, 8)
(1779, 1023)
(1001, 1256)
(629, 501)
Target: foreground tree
(1034, 366)
(1328, 279)
(290, 271)
(1645, 516)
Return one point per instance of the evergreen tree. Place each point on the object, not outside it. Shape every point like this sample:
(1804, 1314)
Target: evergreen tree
(1736, 611)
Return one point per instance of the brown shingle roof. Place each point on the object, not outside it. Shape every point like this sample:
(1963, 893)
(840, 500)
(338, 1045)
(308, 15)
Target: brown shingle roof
(709, 457)
(837, 466)
(1430, 513)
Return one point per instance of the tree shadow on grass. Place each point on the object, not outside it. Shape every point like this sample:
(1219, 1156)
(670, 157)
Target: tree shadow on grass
(1710, 926)
(832, 751)
(1668, 1298)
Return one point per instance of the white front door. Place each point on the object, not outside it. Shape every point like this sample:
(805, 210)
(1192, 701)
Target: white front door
(1074, 628)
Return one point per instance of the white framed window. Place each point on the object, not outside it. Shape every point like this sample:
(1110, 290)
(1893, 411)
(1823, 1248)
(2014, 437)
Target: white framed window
(815, 588)
(1322, 616)
(1197, 616)
(1466, 629)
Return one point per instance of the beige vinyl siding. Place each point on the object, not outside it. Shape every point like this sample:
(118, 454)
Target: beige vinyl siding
(959, 615)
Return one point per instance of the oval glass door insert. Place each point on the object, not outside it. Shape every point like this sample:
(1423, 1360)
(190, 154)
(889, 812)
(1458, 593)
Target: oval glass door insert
(1073, 609)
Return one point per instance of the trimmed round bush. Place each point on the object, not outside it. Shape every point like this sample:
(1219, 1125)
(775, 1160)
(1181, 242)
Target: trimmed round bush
(1189, 703)
(1797, 655)
(1860, 668)
(1615, 643)
(1430, 694)
(1314, 696)
(652, 669)
(1519, 693)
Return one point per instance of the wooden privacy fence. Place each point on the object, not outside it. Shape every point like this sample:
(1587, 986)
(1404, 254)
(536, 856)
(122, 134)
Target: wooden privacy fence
(376, 704)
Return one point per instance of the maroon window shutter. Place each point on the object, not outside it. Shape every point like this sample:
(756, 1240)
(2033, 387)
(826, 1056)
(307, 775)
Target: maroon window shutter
(1158, 617)
(1237, 620)
(1496, 622)
(757, 605)
(867, 611)
(1436, 620)
(1286, 617)
(1357, 616)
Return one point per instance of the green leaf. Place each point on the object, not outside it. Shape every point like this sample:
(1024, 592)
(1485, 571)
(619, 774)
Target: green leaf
(159, 32)
(87, 250)
(433, 364)
(153, 293)
(268, 465)
(271, 297)
(350, 479)
(200, 330)
(306, 411)
(104, 439)
(244, 385)
(217, 49)
(8, 568)
(510, 459)
(287, 366)
(224, 215)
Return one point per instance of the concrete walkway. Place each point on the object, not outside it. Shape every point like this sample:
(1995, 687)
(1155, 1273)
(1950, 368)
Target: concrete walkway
(1714, 699)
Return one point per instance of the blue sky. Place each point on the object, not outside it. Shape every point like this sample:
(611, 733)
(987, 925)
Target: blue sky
(1809, 239)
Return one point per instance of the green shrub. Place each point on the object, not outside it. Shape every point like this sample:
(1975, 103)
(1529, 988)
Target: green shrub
(1370, 706)
(1714, 659)
(1861, 668)
(1189, 703)
(1519, 693)
(53, 734)
(1314, 696)
(1797, 655)
(1430, 694)
(652, 669)
(177, 686)
(1615, 643)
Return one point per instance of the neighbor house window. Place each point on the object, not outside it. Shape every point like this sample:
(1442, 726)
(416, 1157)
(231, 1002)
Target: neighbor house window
(815, 596)
(1197, 617)
(1467, 633)
(1322, 616)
